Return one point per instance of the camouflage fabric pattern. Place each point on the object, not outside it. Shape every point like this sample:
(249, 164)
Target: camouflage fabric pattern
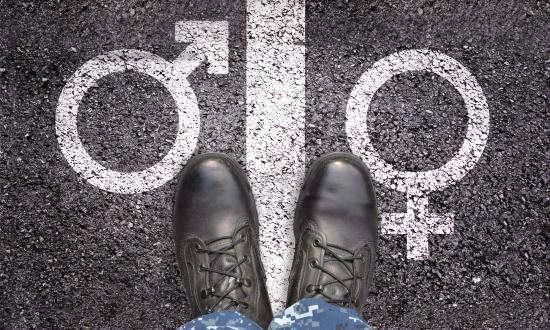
(223, 320)
(317, 314)
(305, 314)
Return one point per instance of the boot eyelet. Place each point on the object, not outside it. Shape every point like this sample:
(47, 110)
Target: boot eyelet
(244, 305)
(247, 282)
(202, 267)
(246, 258)
(197, 247)
(207, 292)
(315, 288)
(243, 237)
(313, 263)
(316, 243)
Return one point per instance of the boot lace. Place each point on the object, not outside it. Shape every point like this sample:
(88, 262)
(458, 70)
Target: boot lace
(232, 271)
(347, 261)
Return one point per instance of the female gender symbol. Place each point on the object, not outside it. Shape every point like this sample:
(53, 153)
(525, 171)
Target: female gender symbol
(417, 222)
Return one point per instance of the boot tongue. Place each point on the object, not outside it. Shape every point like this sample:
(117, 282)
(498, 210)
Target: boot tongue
(223, 262)
(336, 290)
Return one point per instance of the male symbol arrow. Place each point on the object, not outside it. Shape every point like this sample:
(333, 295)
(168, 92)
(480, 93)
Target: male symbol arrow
(208, 42)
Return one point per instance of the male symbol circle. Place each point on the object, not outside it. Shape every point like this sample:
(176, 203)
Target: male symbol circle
(417, 222)
(208, 42)
(86, 77)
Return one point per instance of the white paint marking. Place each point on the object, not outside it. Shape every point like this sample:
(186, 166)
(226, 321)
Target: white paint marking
(417, 222)
(209, 42)
(275, 128)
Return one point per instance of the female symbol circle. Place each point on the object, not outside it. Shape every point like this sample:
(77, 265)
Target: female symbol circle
(418, 183)
(115, 62)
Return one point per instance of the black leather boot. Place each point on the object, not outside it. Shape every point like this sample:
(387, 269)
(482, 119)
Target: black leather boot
(336, 231)
(216, 234)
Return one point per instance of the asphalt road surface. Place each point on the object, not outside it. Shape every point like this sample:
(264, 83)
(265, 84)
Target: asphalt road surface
(73, 255)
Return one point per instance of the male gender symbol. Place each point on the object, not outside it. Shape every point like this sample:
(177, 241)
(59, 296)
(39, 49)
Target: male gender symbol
(417, 223)
(208, 41)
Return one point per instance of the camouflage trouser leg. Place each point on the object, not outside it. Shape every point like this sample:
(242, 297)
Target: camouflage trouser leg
(315, 313)
(305, 314)
(221, 321)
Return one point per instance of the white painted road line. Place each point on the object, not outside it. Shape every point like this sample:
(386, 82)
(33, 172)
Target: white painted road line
(417, 222)
(275, 128)
(208, 42)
